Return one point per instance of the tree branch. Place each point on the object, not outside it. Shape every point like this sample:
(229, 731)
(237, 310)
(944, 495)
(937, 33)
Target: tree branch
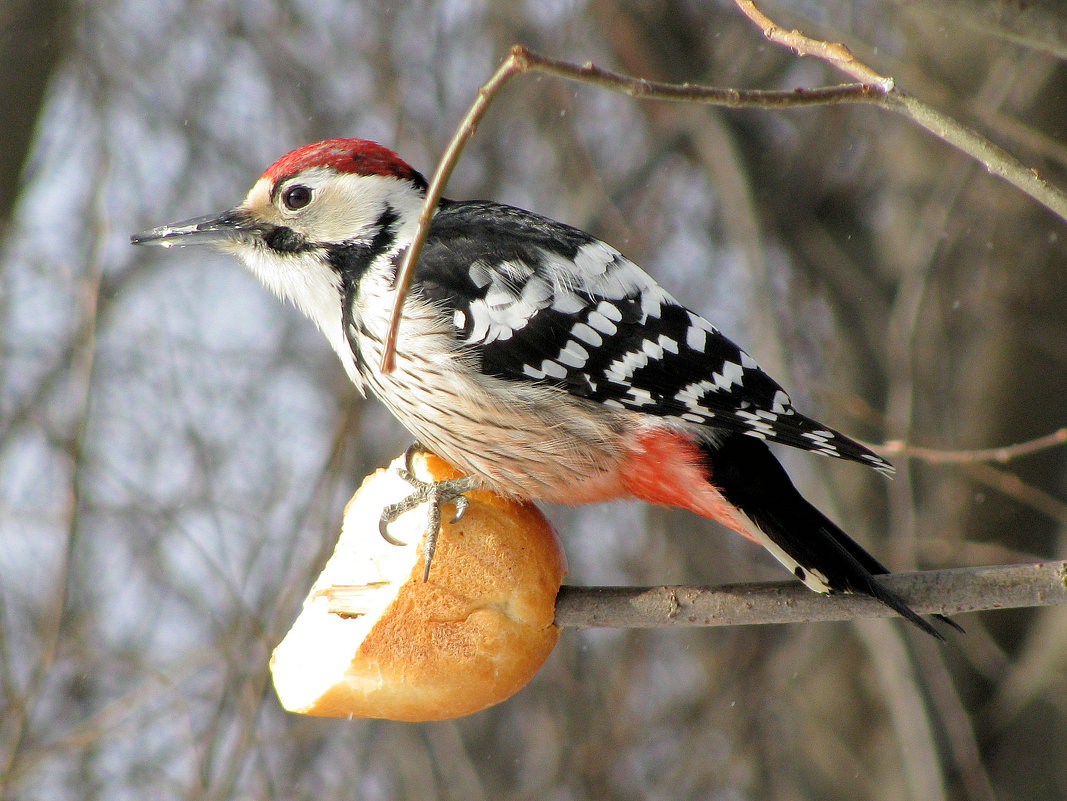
(969, 589)
(948, 592)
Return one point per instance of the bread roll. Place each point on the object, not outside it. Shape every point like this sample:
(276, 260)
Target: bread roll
(467, 638)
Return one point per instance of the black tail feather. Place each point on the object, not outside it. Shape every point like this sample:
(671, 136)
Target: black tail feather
(750, 477)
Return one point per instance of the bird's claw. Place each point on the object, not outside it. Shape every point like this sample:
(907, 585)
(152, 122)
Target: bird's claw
(437, 494)
(461, 503)
(389, 514)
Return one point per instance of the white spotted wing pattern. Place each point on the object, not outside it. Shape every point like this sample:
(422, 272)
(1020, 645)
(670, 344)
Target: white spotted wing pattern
(540, 301)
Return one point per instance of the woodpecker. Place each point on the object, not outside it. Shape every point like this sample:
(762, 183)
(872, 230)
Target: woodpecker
(535, 358)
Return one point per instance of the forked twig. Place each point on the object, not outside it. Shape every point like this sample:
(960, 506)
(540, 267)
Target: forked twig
(522, 60)
(873, 88)
(979, 465)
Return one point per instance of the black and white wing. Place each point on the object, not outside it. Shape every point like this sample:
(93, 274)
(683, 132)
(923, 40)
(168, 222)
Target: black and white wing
(537, 300)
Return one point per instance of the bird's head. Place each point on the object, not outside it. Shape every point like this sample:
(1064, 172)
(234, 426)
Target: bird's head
(313, 222)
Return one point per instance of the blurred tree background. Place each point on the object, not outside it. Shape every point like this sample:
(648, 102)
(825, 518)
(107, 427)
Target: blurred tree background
(176, 447)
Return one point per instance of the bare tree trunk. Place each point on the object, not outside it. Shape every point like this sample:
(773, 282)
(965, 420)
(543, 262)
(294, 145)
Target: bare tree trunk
(33, 34)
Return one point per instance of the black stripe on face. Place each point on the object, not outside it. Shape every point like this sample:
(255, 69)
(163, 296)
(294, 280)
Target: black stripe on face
(351, 259)
(283, 239)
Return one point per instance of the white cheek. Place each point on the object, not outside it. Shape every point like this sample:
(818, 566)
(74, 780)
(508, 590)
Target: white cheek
(309, 282)
(302, 278)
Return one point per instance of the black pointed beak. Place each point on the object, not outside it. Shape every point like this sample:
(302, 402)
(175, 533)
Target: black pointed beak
(234, 225)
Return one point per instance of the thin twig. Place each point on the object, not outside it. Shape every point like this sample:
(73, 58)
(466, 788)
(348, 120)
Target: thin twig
(1001, 455)
(833, 52)
(465, 131)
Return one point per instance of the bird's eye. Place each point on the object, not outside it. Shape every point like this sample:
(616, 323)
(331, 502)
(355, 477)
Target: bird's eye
(296, 197)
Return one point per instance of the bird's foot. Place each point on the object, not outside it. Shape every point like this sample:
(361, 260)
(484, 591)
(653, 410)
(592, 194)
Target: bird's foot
(437, 494)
